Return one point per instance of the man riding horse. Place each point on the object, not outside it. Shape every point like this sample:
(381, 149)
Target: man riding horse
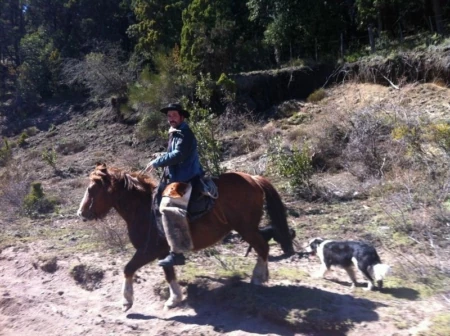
(182, 164)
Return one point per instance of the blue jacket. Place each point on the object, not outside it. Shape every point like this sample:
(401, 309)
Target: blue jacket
(182, 157)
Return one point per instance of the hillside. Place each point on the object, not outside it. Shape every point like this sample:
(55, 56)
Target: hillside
(351, 195)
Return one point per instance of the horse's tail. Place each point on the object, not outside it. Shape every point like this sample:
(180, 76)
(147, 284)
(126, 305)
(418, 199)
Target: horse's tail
(277, 214)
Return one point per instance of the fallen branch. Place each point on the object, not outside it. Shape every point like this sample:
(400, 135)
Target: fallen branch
(392, 84)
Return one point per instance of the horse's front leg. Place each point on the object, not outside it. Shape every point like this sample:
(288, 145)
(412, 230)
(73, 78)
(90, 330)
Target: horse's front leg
(138, 260)
(176, 296)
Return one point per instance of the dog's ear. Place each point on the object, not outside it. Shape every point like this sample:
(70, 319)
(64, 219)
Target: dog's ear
(319, 241)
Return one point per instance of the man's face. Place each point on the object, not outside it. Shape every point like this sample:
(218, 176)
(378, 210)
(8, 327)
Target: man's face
(174, 118)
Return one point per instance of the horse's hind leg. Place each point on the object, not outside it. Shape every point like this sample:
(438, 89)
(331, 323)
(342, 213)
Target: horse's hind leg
(175, 290)
(261, 271)
(138, 260)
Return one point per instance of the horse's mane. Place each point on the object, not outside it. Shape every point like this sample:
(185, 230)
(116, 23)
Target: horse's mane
(119, 177)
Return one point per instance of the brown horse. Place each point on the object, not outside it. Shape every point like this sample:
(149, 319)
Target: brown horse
(239, 207)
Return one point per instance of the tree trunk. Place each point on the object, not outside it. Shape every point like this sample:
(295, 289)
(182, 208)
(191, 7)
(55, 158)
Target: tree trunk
(371, 39)
(437, 10)
(380, 23)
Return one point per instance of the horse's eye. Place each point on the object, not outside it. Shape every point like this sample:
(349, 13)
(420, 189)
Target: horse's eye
(91, 190)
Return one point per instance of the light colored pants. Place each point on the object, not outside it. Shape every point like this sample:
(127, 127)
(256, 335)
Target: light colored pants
(175, 223)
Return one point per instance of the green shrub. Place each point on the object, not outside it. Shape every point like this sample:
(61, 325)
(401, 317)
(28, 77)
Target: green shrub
(295, 164)
(22, 142)
(152, 124)
(5, 153)
(440, 133)
(227, 86)
(316, 96)
(49, 156)
(155, 89)
(33, 130)
(35, 202)
(205, 127)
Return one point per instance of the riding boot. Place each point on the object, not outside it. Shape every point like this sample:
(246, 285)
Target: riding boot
(173, 259)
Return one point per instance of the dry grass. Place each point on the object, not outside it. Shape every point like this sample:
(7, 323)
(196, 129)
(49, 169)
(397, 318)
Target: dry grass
(111, 232)
(14, 186)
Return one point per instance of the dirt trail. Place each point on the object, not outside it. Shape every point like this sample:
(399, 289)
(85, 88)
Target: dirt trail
(34, 302)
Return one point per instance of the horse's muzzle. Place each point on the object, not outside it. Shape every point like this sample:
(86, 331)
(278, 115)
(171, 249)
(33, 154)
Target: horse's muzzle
(85, 216)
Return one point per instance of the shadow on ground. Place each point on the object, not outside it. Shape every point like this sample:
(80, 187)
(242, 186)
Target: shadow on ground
(397, 292)
(296, 308)
(402, 293)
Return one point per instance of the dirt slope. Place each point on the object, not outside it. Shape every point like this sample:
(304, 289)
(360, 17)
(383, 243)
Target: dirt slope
(41, 298)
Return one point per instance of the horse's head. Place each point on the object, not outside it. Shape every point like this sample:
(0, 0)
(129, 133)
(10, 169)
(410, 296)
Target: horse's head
(97, 200)
(114, 188)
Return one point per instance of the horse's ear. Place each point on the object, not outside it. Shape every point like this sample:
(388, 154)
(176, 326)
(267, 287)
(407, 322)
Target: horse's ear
(100, 165)
(101, 168)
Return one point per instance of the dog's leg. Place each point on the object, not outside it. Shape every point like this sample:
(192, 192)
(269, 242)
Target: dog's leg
(365, 271)
(368, 274)
(380, 284)
(351, 273)
(322, 271)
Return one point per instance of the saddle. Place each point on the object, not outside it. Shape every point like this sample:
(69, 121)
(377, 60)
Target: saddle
(203, 197)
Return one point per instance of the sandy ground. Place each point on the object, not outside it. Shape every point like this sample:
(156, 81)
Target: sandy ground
(36, 302)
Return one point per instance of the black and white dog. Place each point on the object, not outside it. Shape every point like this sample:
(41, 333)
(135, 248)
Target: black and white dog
(347, 254)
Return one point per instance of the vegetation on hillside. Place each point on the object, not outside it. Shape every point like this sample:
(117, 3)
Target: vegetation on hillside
(371, 165)
(51, 48)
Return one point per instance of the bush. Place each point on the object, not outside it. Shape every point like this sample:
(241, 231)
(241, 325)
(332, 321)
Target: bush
(69, 147)
(49, 156)
(293, 164)
(440, 133)
(155, 89)
(151, 125)
(370, 151)
(205, 126)
(5, 153)
(39, 70)
(228, 87)
(316, 96)
(36, 203)
(111, 232)
(22, 142)
(101, 71)
(14, 186)
(209, 146)
(33, 130)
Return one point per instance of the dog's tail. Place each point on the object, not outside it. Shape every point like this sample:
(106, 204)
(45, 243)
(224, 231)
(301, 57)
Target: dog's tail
(380, 271)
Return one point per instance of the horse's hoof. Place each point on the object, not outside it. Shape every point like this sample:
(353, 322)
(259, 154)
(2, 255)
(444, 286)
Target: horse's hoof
(126, 306)
(256, 282)
(171, 304)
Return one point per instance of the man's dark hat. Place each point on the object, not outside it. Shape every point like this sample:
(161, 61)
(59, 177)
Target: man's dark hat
(175, 107)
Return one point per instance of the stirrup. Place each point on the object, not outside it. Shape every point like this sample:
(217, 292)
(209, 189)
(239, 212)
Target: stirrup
(173, 259)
